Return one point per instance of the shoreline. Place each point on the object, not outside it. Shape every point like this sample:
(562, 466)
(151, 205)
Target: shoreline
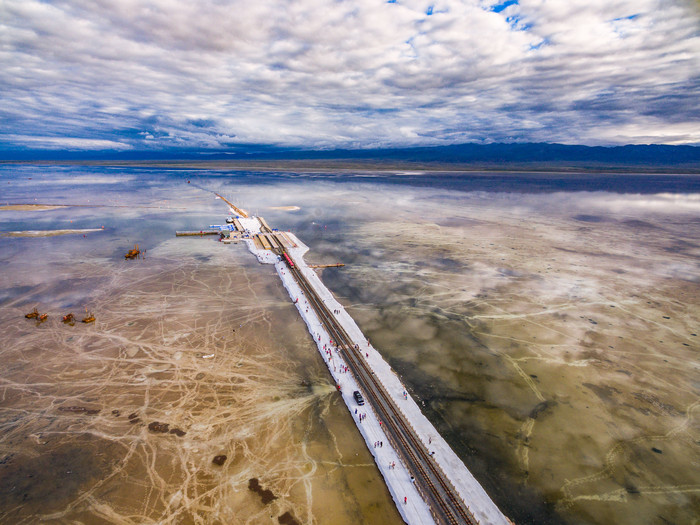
(379, 165)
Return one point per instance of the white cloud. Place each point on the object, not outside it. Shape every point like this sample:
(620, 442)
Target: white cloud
(209, 73)
(68, 143)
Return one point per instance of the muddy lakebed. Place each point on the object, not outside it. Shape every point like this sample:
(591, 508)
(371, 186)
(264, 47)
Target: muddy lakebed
(546, 323)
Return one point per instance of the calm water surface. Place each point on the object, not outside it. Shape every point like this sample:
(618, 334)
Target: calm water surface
(547, 323)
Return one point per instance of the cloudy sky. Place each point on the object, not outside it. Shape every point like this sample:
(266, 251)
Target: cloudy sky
(161, 74)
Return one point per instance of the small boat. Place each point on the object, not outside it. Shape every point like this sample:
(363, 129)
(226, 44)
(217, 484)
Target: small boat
(68, 318)
(208, 356)
(89, 319)
(33, 314)
(42, 318)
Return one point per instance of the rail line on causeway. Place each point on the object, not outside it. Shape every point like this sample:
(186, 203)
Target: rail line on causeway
(445, 503)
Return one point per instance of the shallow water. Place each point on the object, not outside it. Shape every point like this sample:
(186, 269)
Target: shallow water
(547, 322)
(83, 408)
(556, 351)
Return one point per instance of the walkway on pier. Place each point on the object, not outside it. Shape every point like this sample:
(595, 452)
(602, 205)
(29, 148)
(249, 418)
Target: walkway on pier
(442, 489)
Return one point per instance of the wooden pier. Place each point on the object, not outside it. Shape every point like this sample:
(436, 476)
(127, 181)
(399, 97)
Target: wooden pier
(197, 233)
(235, 209)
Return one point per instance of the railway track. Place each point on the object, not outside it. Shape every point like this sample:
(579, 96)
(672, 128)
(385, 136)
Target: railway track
(239, 211)
(442, 498)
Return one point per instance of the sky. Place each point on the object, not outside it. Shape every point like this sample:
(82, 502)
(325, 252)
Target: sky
(211, 74)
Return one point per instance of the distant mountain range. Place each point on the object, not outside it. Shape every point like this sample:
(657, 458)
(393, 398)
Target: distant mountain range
(520, 154)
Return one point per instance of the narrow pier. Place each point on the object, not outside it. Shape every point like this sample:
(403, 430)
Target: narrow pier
(197, 233)
(427, 480)
(234, 209)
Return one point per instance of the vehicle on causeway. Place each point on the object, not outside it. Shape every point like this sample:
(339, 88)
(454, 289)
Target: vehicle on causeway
(358, 397)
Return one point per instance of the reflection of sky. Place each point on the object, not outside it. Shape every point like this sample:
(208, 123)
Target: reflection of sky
(400, 289)
(149, 205)
(133, 208)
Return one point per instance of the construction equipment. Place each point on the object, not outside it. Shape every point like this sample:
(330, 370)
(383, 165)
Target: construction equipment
(33, 314)
(89, 318)
(134, 253)
(197, 233)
